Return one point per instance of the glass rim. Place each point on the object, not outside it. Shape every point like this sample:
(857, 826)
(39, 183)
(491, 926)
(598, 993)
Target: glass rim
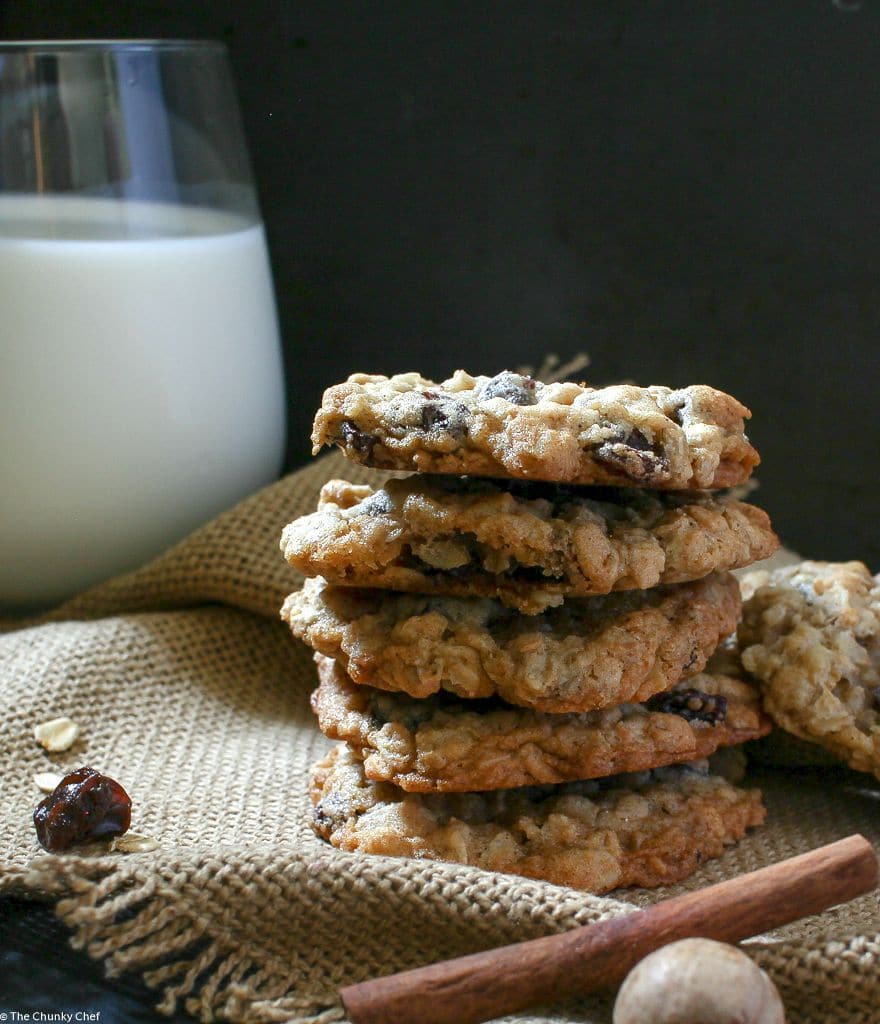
(49, 46)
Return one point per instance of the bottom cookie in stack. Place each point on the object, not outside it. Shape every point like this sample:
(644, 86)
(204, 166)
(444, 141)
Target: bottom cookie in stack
(646, 829)
(512, 789)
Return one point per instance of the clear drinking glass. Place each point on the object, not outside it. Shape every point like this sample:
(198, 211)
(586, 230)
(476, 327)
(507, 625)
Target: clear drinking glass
(141, 384)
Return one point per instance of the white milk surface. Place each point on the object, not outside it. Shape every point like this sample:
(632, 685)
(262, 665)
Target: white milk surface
(141, 384)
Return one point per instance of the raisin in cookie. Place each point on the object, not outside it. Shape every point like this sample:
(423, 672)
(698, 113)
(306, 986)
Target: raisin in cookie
(513, 426)
(528, 544)
(811, 635)
(644, 830)
(590, 653)
(447, 744)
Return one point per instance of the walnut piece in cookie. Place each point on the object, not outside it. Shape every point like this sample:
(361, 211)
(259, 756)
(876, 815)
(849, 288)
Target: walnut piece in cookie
(510, 425)
(811, 636)
(587, 654)
(445, 744)
(528, 544)
(646, 829)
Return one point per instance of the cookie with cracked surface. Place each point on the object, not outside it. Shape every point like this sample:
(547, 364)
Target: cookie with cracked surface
(447, 744)
(527, 544)
(513, 426)
(811, 635)
(587, 654)
(642, 830)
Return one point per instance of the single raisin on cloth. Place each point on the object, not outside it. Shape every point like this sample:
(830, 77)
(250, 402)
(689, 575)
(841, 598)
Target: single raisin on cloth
(192, 693)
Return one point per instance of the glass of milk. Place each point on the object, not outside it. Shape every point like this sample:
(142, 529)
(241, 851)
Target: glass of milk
(141, 382)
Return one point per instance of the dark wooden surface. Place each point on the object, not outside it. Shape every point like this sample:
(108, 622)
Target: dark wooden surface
(40, 973)
(688, 192)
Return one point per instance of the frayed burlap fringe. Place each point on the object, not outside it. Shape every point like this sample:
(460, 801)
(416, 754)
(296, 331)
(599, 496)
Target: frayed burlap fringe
(164, 923)
(192, 693)
(114, 920)
(112, 917)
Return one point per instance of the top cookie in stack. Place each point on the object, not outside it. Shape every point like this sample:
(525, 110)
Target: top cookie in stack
(510, 425)
(484, 576)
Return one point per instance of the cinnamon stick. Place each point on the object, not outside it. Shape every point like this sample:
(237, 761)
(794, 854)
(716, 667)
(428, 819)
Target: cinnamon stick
(486, 985)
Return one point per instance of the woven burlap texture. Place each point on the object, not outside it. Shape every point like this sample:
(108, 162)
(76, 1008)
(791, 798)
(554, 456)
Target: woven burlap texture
(190, 691)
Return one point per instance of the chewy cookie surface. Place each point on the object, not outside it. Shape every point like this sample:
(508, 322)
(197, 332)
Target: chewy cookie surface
(587, 654)
(528, 544)
(811, 635)
(513, 426)
(642, 830)
(443, 743)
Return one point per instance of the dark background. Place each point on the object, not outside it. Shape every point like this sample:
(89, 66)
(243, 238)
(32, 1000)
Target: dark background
(687, 192)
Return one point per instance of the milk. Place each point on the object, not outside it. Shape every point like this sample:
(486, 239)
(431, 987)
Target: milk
(141, 386)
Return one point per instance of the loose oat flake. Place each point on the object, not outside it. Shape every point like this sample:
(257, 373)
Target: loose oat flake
(47, 782)
(59, 734)
(131, 842)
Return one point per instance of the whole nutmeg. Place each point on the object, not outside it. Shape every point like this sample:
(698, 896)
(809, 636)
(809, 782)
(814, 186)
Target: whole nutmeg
(698, 981)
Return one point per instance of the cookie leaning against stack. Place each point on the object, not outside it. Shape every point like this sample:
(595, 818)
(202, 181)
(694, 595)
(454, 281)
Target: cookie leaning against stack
(518, 661)
(810, 636)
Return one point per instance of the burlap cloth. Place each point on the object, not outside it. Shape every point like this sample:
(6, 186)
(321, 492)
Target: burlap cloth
(191, 692)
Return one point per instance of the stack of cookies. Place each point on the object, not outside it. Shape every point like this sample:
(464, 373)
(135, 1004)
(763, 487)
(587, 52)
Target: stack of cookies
(520, 646)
